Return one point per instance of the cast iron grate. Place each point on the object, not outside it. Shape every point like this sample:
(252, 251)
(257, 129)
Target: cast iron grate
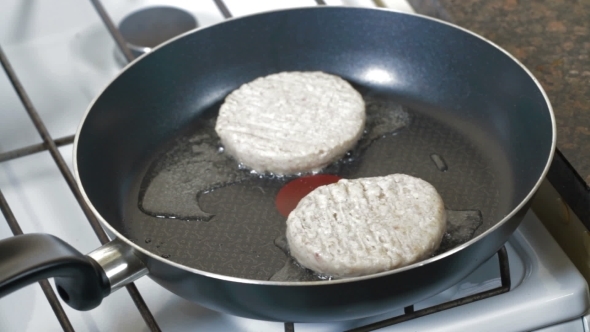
(410, 314)
(50, 144)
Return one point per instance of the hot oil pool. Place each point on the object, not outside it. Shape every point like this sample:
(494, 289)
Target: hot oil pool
(193, 204)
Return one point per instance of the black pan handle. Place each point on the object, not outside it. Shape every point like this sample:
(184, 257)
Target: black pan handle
(25, 259)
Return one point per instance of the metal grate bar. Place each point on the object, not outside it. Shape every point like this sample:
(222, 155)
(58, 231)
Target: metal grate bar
(9, 216)
(63, 319)
(31, 149)
(115, 33)
(411, 314)
(61, 164)
(51, 146)
(145, 312)
(45, 286)
(223, 8)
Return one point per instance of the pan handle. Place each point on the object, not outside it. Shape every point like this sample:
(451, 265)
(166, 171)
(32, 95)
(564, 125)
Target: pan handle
(81, 281)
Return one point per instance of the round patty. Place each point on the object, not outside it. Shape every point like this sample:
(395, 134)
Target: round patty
(368, 225)
(291, 122)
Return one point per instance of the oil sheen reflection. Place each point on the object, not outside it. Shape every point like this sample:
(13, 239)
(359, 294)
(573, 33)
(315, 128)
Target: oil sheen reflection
(379, 76)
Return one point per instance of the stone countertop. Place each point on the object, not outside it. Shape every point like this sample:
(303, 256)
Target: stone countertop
(552, 39)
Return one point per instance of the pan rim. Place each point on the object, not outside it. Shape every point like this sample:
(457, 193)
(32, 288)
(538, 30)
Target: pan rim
(151, 255)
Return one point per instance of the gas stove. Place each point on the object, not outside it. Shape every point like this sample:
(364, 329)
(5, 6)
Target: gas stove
(64, 55)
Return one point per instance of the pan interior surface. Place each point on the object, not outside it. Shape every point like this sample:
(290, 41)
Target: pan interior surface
(478, 128)
(228, 223)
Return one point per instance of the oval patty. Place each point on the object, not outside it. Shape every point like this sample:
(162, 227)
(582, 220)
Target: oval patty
(365, 226)
(291, 122)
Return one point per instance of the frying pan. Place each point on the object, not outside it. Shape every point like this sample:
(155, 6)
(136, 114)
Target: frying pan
(480, 129)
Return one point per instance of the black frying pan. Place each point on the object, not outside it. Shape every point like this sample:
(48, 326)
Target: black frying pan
(477, 125)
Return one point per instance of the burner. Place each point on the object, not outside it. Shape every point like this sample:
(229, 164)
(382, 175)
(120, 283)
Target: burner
(149, 27)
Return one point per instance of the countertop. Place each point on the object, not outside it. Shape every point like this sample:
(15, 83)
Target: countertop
(552, 39)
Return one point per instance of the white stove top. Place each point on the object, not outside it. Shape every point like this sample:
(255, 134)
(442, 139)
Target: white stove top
(63, 55)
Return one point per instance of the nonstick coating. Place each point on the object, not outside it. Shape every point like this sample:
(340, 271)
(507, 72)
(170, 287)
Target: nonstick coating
(238, 240)
(469, 102)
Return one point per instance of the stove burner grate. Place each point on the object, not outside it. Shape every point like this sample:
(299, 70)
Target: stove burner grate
(51, 145)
